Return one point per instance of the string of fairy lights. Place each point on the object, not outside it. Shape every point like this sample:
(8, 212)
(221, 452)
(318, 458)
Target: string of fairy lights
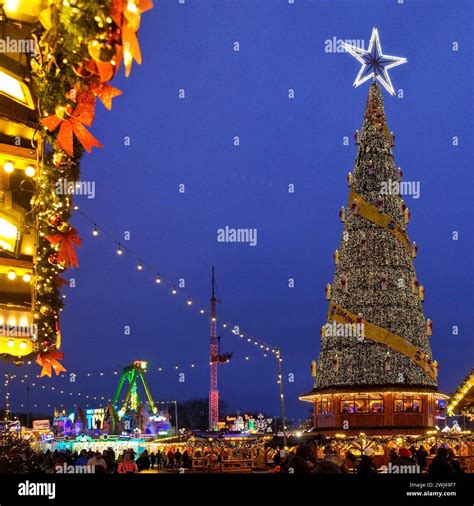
(35, 380)
(73, 396)
(160, 280)
(264, 348)
(171, 366)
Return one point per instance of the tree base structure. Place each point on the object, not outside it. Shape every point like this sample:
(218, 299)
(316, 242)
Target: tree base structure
(384, 411)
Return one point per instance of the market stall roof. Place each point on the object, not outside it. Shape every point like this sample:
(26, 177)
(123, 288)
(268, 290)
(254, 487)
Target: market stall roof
(463, 398)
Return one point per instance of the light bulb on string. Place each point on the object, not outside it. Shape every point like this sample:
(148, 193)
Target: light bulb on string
(158, 280)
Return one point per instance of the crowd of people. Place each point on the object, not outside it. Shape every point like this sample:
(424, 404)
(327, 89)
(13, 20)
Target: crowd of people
(304, 461)
(440, 462)
(108, 462)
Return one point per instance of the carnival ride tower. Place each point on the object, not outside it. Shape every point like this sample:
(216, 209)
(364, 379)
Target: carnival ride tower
(214, 360)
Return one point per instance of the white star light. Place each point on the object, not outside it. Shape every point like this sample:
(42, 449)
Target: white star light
(374, 63)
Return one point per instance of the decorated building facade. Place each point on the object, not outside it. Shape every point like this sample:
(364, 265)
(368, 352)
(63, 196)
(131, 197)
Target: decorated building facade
(56, 59)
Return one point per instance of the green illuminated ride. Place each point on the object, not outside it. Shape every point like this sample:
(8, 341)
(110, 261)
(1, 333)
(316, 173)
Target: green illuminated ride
(131, 374)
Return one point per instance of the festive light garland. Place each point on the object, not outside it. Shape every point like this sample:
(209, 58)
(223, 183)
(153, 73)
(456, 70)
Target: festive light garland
(81, 45)
(159, 279)
(192, 365)
(63, 391)
(171, 366)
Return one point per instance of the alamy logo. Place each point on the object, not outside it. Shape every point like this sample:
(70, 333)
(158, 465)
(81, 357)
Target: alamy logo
(9, 45)
(35, 489)
(228, 234)
(26, 331)
(400, 188)
(335, 45)
(335, 329)
(77, 469)
(403, 469)
(65, 187)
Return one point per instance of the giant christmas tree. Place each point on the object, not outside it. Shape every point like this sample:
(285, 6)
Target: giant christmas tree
(375, 369)
(375, 282)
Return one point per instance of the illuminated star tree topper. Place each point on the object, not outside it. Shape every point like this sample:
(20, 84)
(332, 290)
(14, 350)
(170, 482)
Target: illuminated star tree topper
(375, 64)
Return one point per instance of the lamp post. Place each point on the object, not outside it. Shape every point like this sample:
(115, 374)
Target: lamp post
(176, 416)
(282, 396)
(27, 407)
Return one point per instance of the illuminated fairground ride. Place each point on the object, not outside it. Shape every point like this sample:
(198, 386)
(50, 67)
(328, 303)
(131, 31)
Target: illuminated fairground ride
(132, 413)
(130, 416)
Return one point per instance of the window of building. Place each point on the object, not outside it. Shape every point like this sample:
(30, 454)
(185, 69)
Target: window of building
(372, 403)
(440, 407)
(408, 404)
(324, 406)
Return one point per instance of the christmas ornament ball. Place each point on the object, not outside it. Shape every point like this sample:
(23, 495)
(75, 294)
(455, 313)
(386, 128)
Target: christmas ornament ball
(45, 310)
(64, 111)
(64, 227)
(101, 50)
(59, 159)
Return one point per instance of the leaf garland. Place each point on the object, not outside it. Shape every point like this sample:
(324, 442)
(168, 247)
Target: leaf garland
(81, 46)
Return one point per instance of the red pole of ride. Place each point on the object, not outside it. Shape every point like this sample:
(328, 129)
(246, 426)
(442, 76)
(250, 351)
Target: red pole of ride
(214, 361)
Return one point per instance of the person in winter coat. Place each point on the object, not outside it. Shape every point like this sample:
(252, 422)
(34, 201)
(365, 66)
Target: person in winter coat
(100, 466)
(186, 459)
(366, 465)
(421, 457)
(143, 462)
(405, 458)
(127, 465)
(440, 466)
(299, 462)
(332, 463)
(170, 456)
